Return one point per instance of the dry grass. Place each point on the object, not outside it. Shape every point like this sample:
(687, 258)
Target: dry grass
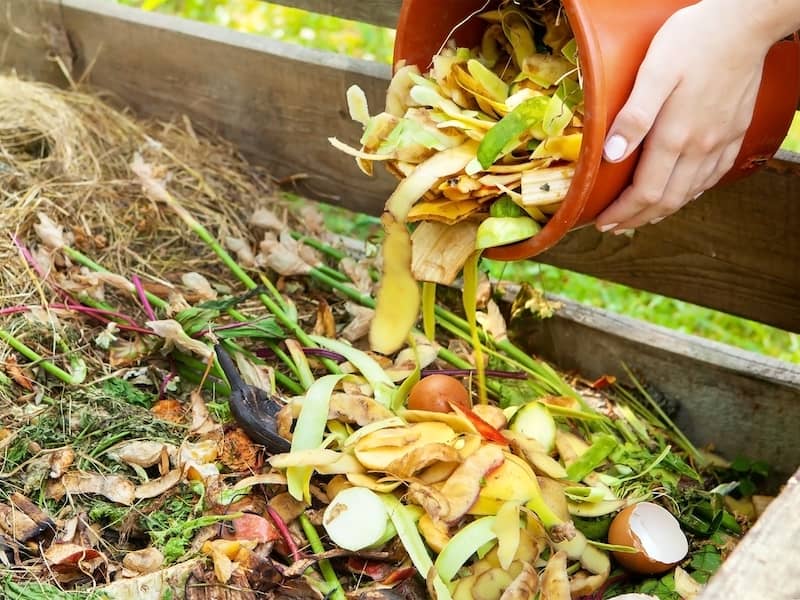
(68, 153)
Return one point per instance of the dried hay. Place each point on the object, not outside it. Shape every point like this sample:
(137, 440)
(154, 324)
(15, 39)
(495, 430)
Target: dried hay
(68, 154)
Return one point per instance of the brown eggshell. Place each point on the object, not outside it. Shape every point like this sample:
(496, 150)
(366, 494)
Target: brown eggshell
(435, 392)
(623, 532)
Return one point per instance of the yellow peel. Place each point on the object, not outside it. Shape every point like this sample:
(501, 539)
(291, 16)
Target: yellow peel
(399, 297)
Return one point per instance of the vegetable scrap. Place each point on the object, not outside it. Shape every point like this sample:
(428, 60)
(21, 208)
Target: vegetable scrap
(194, 423)
(484, 146)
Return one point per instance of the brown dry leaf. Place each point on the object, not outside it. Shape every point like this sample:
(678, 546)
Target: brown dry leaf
(17, 524)
(202, 423)
(276, 257)
(11, 366)
(238, 451)
(492, 322)
(175, 337)
(60, 461)
(358, 272)
(325, 325)
(71, 560)
(50, 233)
(198, 284)
(144, 561)
(142, 453)
(240, 247)
(157, 584)
(439, 251)
(358, 327)
(114, 487)
(157, 487)
(266, 219)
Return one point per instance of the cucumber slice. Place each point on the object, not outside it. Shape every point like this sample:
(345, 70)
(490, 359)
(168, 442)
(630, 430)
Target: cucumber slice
(357, 519)
(535, 422)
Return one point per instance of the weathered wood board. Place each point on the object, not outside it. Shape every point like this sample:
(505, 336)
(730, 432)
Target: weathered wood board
(763, 566)
(741, 402)
(280, 103)
(376, 12)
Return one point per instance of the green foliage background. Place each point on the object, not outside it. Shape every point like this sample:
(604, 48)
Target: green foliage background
(375, 43)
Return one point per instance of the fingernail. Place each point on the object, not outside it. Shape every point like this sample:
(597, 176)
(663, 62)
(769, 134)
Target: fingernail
(628, 232)
(697, 196)
(608, 227)
(656, 221)
(615, 147)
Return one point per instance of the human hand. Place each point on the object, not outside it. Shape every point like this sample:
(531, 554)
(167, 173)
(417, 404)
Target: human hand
(692, 103)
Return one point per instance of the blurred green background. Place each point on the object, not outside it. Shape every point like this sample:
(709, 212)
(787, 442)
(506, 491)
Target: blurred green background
(375, 43)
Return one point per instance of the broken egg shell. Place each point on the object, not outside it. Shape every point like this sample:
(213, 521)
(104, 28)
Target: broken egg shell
(435, 393)
(654, 532)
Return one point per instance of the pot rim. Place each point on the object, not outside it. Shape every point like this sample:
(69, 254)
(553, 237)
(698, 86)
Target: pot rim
(591, 154)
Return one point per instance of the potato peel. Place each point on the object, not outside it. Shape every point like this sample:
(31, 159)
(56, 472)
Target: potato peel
(398, 298)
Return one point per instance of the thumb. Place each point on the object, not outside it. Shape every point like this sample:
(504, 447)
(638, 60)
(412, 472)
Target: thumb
(635, 120)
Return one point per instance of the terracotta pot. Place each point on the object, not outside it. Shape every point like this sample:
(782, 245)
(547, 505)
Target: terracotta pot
(613, 37)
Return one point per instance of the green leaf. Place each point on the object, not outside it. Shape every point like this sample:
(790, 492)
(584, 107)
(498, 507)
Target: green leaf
(309, 431)
(119, 389)
(508, 132)
(382, 385)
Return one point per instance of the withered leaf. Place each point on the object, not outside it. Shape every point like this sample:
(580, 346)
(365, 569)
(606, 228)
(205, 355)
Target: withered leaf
(114, 487)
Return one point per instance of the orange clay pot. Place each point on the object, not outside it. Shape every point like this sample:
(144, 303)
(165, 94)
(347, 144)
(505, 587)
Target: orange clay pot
(613, 37)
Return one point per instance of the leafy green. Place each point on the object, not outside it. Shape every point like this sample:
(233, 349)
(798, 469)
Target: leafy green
(506, 134)
(126, 392)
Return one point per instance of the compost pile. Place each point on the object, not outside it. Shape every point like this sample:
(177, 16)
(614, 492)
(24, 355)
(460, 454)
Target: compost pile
(191, 408)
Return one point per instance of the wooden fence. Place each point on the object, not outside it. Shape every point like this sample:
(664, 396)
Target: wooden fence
(736, 250)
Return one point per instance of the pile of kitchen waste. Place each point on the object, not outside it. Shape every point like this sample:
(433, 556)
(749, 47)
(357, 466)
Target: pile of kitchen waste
(484, 145)
(190, 407)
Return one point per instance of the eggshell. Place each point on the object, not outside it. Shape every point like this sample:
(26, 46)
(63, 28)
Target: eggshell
(435, 392)
(653, 531)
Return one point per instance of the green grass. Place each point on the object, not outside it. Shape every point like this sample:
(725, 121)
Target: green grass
(375, 43)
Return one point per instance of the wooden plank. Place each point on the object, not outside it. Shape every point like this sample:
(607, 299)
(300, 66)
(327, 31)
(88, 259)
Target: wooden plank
(376, 12)
(278, 102)
(735, 249)
(763, 565)
(742, 402)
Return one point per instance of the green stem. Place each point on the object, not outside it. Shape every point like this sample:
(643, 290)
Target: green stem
(51, 368)
(244, 278)
(337, 593)
(84, 260)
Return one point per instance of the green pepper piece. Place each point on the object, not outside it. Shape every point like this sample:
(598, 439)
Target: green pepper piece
(506, 134)
(499, 231)
(505, 207)
(592, 458)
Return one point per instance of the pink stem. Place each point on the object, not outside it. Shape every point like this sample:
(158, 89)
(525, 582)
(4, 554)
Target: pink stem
(137, 283)
(162, 389)
(79, 308)
(285, 533)
(26, 254)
